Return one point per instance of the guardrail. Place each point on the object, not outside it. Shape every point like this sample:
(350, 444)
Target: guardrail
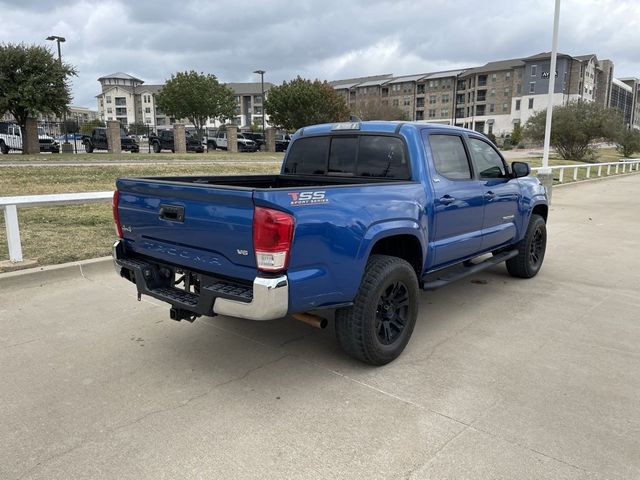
(624, 165)
(11, 205)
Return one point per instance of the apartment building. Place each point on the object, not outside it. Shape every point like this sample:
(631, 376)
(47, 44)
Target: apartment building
(493, 97)
(634, 84)
(129, 100)
(622, 99)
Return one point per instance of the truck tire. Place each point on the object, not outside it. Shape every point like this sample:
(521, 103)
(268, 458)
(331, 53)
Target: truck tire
(377, 327)
(156, 147)
(88, 147)
(3, 148)
(531, 250)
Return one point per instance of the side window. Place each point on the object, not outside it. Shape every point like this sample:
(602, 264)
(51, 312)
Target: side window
(450, 157)
(308, 156)
(342, 158)
(490, 164)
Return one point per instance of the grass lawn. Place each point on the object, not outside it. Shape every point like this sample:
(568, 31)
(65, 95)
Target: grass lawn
(62, 234)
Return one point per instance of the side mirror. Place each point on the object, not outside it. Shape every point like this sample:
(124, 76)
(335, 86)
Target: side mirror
(520, 169)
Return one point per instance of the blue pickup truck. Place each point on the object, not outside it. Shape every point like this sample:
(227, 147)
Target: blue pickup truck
(361, 217)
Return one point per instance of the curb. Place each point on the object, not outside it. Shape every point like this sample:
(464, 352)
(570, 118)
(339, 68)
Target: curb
(55, 273)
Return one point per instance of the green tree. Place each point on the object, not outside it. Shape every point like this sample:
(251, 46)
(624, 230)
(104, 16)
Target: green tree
(575, 127)
(376, 110)
(301, 102)
(138, 128)
(32, 81)
(197, 97)
(87, 128)
(516, 135)
(628, 141)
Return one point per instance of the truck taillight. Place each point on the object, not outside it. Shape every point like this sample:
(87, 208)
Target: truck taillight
(272, 234)
(116, 215)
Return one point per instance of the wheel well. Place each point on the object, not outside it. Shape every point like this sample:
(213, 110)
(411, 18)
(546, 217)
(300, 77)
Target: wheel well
(541, 210)
(406, 247)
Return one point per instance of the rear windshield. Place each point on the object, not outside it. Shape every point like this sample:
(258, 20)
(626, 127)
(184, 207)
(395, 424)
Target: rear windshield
(376, 156)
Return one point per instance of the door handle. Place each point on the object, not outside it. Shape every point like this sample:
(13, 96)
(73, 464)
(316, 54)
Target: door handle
(489, 195)
(447, 199)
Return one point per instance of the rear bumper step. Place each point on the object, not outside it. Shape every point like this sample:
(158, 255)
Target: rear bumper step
(266, 299)
(468, 270)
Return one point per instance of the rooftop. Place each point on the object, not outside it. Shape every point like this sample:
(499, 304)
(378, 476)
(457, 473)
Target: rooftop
(122, 76)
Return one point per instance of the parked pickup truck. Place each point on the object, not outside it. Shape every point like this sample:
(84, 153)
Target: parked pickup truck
(220, 141)
(98, 141)
(361, 217)
(164, 141)
(11, 139)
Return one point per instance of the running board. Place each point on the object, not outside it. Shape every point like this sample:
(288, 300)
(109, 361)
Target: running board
(468, 270)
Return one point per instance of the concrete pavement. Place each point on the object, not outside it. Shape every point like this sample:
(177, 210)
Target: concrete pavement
(503, 378)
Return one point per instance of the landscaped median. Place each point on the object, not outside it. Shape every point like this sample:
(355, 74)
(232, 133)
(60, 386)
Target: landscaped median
(55, 235)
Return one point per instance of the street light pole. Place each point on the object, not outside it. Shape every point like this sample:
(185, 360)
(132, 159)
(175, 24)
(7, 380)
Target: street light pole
(261, 73)
(66, 146)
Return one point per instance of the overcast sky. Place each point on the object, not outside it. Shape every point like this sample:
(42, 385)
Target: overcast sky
(327, 40)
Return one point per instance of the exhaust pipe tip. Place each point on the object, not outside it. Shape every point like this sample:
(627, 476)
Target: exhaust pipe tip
(310, 319)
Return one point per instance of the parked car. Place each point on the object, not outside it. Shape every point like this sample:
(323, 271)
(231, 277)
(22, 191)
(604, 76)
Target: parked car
(360, 218)
(256, 137)
(11, 139)
(98, 141)
(164, 141)
(220, 141)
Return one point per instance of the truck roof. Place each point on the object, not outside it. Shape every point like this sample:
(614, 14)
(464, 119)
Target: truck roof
(374, 126)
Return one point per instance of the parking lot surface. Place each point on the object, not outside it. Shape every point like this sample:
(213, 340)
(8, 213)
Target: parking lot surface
(503, 378)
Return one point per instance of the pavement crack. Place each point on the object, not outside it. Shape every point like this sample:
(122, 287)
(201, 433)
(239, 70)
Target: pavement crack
(21, 343)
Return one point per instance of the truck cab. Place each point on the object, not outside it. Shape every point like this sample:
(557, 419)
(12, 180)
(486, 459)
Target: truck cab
(98, 141)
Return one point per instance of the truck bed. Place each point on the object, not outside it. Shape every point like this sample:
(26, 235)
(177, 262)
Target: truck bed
(266, 182)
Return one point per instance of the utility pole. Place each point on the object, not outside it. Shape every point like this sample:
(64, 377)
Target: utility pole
(66, 146)
(261, 73)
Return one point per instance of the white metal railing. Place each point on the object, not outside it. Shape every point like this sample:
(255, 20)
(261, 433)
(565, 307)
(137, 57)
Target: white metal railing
(622, 166)
(11, 205)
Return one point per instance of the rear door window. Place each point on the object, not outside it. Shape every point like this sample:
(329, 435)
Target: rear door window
(450, 157)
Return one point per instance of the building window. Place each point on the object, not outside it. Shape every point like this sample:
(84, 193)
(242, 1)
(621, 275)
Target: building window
(505, 107)
(493, 77)
(432, 99)
(419, 102)
(517, 104)
(444, 112)
(257, 99)
(445, 98)
(491, 108)
(420, 115)
(257, 110)
(385, 91)
(407, 101)
(109, 110)
(432, 113)
(420, 88)
(396, 102)
(534, 70)
(108, 98)
(507, 91)
(492, 92)
(507, 76)
(147, 109)
(363, 90)
(530, 103)
(395, 87)
(121, 102)
(532, 87)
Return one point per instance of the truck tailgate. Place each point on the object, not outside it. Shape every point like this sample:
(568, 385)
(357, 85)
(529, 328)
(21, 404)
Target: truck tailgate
(200, 227)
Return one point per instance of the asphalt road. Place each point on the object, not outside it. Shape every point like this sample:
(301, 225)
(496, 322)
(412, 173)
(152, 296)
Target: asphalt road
(503, 378)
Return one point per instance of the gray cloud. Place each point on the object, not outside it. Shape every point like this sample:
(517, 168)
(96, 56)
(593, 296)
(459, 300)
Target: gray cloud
(328, 40)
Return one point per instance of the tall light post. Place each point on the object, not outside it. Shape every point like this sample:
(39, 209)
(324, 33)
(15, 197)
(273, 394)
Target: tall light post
(66, 146)
(544, 173)
(261, 73)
